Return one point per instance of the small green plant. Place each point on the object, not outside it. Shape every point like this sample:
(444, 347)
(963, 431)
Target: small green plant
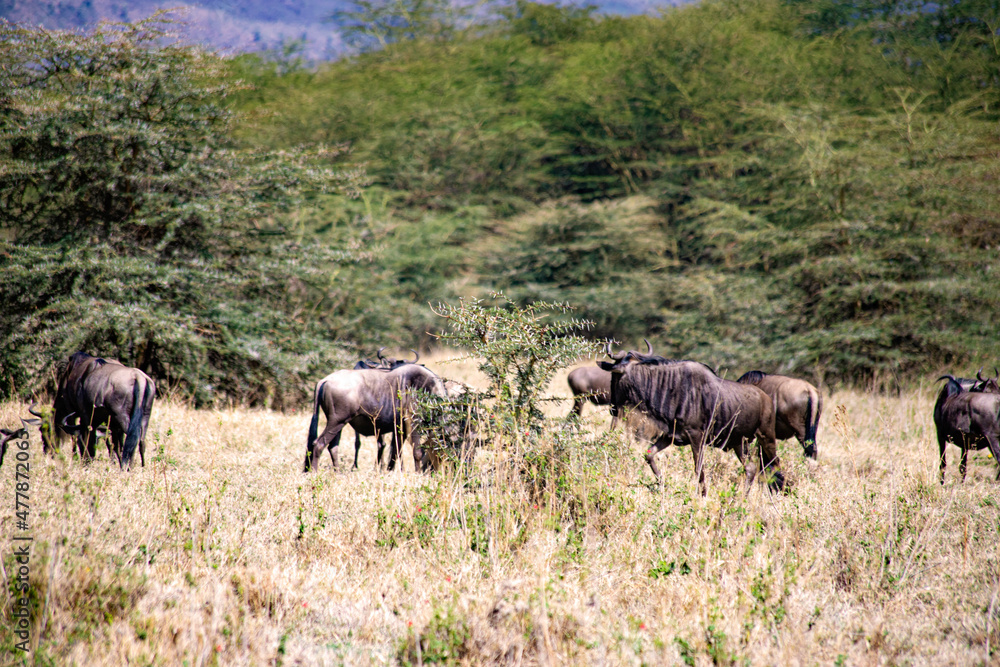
(520, 350)
(445, 641)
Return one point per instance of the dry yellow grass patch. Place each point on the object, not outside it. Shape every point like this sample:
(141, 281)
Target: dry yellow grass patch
(221, 551)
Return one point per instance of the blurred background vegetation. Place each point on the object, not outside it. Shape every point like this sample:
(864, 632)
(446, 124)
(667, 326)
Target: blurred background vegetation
(800, 187)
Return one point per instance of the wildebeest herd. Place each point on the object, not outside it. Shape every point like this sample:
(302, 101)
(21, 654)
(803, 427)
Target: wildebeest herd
(685, 402)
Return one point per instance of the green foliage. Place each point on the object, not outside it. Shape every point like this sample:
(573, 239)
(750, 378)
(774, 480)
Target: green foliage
(374, 24)
(801, 187)
(445, 641)
(520, 352)
(135, 229)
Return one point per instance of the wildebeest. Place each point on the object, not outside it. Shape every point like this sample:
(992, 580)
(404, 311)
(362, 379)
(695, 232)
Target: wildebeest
(970, 419)
(372, 401)
(383, 364)
(593, 383)
(797, 407)
(984, 385)
(102, 392)
(691, 405)
(454, 425)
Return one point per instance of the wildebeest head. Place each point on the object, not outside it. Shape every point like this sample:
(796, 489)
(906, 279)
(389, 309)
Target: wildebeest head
(986, 385)
(623, 359)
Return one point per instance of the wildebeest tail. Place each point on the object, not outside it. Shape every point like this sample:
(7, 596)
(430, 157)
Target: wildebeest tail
(141, 394)
(810, 422)
(314, 424)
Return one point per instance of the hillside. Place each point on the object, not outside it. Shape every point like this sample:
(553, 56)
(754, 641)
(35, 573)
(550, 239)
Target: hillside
(751, 185)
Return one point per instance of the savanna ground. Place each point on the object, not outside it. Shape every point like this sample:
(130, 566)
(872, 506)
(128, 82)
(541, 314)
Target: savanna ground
(221, 551)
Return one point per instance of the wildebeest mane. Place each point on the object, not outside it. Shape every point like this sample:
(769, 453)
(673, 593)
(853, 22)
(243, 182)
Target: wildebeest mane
(751, 377)
(655, 360)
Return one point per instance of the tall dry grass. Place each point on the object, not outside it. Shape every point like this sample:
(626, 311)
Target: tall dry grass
(221, 551)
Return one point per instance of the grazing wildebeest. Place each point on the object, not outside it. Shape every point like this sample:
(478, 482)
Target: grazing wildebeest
(102, 392)
(455, 427)
(372, 401)
(797, 407)
(383, 364)
(970, 419)
(691, 405)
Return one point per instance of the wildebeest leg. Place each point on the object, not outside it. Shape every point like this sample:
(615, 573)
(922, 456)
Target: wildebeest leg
(994, 444)
(116, 439)
(331, 435)
(418, 453)
(399, 435)
(770, 464)
(91, 435)
(655, 448)
(380, 439)
(396, 448)
(808, 446)
(965, 457)
(615, 418)
(357, 448)
(577, 410)
(85, 439)
(740, 450)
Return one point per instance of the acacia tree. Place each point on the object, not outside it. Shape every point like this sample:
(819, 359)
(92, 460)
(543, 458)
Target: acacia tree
(132, 226)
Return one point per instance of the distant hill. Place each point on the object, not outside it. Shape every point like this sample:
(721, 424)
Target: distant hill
(236, 27)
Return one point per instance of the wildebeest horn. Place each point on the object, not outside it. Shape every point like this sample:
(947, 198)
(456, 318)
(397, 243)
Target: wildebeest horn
(979, 374)
(379, 354)
(67, 427)
(32, 412)
(416, 356)
(616, 357)
(649, 348)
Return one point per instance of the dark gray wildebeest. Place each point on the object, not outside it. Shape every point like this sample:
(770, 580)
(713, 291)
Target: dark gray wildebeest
(797, 407)
(691, 405)
(372, 401)
(593, 383)
(968, 417)
(454, 429)
(102, 392)
(383, 364)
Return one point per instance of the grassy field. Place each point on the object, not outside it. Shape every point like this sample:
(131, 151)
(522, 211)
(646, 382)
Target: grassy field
(221, 551)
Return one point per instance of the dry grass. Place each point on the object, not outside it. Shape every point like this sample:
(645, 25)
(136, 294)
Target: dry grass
(221, 551)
